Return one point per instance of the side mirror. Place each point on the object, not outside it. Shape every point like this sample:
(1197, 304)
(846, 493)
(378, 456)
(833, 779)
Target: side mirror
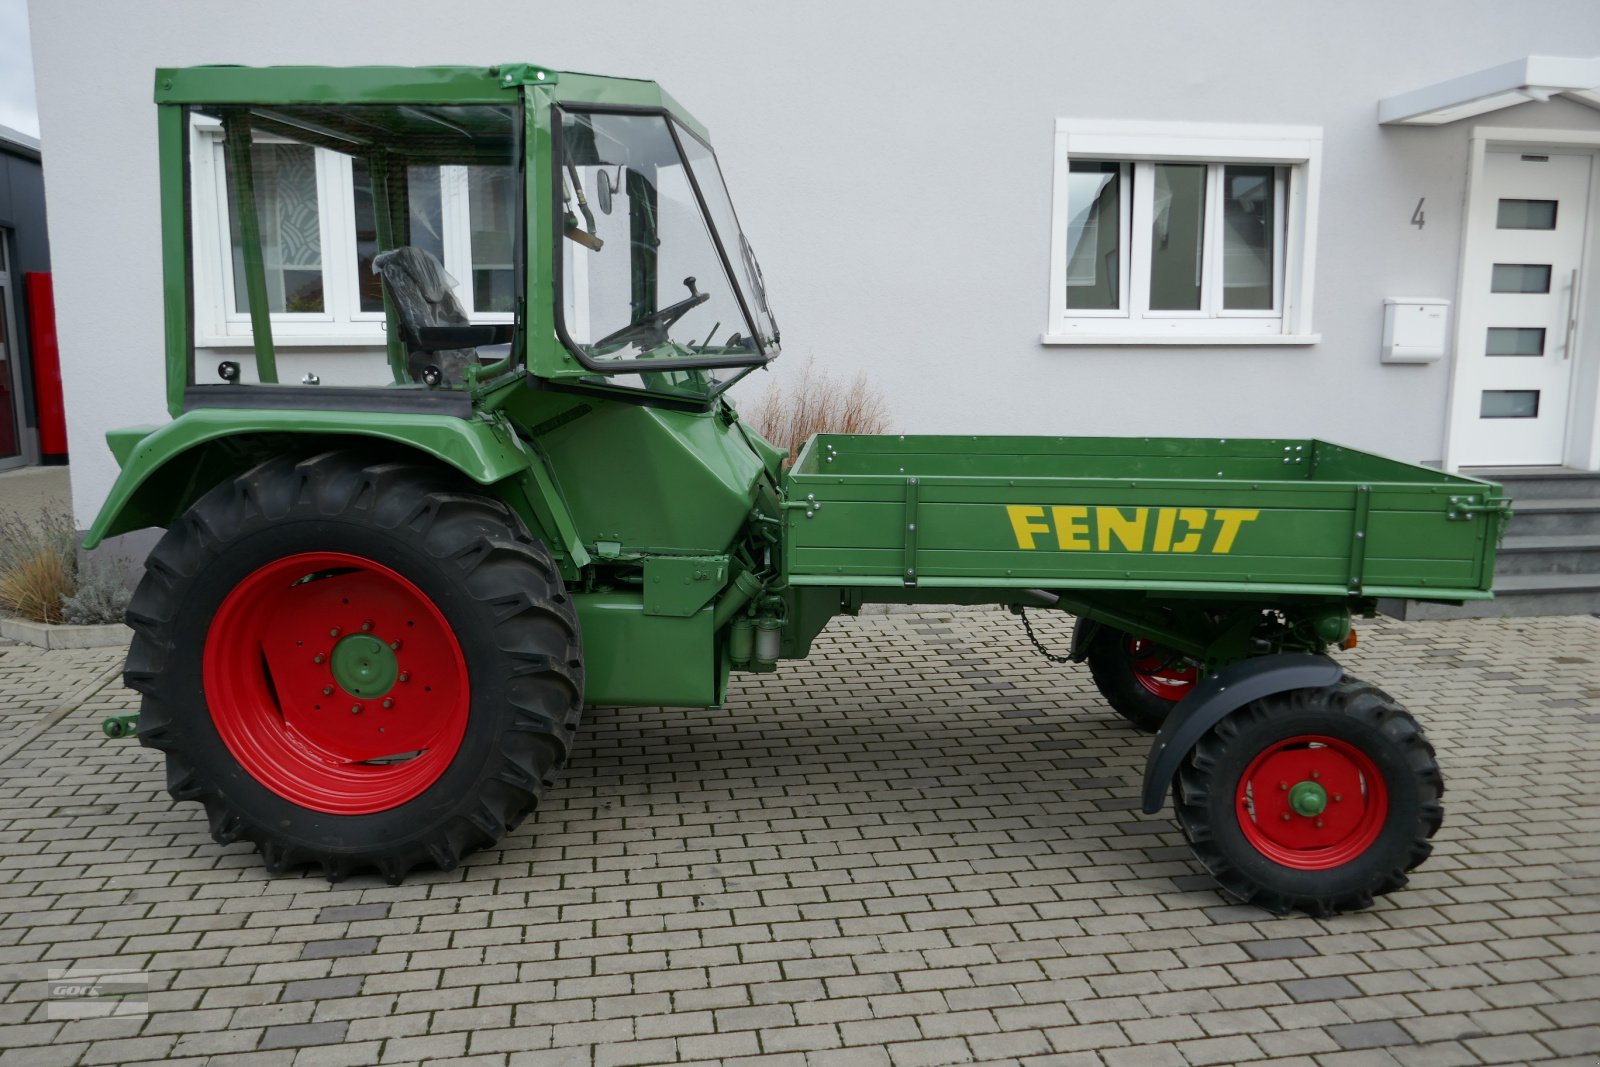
(606, 187)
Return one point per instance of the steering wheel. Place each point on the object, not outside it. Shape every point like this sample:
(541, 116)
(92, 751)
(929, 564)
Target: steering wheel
(651, 330)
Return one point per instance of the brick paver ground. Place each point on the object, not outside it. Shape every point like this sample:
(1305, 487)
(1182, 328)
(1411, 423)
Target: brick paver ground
(920, 847)
(34, 685)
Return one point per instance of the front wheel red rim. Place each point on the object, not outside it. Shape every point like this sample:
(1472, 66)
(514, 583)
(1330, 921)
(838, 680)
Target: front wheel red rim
(1312, 802)
(1158, 672)
(336, 683)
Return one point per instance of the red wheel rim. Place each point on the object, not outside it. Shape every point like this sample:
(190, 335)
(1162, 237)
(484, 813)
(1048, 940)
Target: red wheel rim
(347, 729)
(1157, 673)
(1312, 802)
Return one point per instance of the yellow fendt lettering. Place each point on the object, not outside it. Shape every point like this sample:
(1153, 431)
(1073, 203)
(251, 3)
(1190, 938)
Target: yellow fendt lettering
(1194, 519)
(1111, 522)
(1022, 523)
(1165, 517)
(1080, 528)
(1231, 519)
(1072, 528)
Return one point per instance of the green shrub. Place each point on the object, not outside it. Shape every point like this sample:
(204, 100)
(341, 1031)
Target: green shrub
(101, 594)
(40, 578)
(38, 562)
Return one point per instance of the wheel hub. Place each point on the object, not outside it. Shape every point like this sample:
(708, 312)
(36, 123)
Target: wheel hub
(1308, 799)
(363, 665)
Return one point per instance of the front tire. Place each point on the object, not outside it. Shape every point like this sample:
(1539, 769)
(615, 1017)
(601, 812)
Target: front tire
(1316, 799)
(355, 664)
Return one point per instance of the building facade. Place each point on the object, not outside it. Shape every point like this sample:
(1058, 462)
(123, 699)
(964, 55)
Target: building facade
(1368, 222)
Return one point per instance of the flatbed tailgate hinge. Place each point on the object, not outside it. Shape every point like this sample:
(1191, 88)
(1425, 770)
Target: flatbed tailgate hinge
(1466, 508)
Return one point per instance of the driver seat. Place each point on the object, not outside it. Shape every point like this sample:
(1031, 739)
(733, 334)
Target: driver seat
(423, 293)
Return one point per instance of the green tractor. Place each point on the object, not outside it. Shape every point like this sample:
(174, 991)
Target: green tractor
(451, 457)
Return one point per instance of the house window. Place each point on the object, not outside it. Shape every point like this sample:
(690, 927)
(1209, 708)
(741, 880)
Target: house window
(291, 232)
(1180, 233)
(319, 233)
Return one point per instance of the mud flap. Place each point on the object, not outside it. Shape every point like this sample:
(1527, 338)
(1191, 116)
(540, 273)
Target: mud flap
(1214, 698)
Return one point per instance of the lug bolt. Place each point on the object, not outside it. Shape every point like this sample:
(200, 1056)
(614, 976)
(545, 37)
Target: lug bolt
(1285, 816)
(1319, 824)
(404, 676)
(1284, 786)
(333, 632)
(1338, 798)
(394, 646)
(318, 658)
(1316, 774)
(327, 690)
(388, 703)
(366, 625)
(355, 709)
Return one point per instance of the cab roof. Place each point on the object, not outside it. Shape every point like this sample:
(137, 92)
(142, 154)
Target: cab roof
(406, 85)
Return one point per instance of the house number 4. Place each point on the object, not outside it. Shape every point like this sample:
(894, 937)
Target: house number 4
(1417, 217)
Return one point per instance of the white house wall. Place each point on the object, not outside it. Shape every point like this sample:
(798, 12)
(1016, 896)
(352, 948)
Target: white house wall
(892, 164)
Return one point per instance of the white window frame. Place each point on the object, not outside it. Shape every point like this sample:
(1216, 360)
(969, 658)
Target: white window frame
(341, 323)
(1139, 146)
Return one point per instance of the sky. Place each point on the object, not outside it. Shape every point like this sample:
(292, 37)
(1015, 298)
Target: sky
(18, 108)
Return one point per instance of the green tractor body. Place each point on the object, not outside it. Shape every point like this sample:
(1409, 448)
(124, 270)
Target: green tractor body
(419, 517)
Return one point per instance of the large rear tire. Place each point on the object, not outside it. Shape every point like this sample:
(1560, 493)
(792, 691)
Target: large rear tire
(355, 663)
(1316, 799)
(1141, 680)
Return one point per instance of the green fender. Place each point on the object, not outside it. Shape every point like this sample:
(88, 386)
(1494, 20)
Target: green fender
(167, 468)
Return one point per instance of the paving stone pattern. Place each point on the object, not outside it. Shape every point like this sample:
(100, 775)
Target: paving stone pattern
(920, 847)
(33, 685)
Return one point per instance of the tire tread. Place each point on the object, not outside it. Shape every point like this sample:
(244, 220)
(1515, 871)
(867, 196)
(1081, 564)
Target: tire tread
(1362, 702)
(508, 573)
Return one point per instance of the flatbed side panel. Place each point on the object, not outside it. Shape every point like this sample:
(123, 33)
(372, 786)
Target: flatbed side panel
(1148, 530)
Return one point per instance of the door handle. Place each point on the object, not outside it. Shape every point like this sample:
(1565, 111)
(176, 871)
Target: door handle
(1572, 316)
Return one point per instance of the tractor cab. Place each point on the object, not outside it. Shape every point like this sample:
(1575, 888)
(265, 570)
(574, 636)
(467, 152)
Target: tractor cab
(414, 240)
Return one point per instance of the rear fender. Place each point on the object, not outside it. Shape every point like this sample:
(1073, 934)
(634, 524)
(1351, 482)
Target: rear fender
(167, 469)
(1215, 698)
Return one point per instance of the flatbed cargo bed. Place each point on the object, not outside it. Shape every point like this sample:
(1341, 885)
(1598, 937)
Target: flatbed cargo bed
(1202, 515)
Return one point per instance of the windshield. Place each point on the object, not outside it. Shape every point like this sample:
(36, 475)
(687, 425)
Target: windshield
(646, 274)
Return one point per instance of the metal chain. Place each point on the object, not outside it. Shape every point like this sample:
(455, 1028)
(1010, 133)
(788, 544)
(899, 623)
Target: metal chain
(1045, 652)
(1176, 657)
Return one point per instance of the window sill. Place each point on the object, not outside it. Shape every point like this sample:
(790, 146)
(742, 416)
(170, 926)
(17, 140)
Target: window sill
(376, 340)
(1196, 340)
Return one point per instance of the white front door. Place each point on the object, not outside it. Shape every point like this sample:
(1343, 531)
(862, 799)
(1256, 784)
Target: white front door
(1518, 310)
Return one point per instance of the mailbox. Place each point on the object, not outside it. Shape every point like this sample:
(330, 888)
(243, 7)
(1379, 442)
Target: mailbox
(1414, 329)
